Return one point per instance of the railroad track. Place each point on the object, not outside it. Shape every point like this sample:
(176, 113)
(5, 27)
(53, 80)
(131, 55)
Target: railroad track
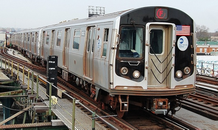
(113, 122)
(206, 79)
(9, 58)
(205, 100)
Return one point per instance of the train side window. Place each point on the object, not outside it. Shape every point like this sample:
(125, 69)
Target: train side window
(76, 39)
(105, 42)
(53, 37)
(58, 43)
(47, 37)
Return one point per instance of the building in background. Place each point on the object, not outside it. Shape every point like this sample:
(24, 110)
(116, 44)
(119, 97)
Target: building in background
(207, 48)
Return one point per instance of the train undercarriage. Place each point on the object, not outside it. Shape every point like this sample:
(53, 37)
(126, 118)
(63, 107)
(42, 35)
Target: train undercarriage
(121, 103)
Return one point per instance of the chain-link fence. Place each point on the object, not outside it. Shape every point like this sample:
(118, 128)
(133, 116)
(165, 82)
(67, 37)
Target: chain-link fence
(207, 68)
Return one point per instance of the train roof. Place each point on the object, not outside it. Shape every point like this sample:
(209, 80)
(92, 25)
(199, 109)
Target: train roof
(105, 17)
(90, 19)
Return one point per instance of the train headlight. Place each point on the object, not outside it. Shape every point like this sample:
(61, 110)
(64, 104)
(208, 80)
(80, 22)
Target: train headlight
(124, 70)
(187, 70)
(178, 73)
(136, 74)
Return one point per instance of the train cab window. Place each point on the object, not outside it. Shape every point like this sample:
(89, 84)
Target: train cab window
(105, 42)
(76, 39)
(131, 42)
(58, 43)
(47, 37)
(156, 41)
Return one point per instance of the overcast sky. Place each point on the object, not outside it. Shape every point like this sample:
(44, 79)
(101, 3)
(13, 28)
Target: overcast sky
(37, 13)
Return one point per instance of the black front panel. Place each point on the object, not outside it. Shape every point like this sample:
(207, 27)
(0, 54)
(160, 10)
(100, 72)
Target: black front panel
(182, 21)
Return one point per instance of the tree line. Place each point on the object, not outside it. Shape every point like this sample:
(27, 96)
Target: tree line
(202, 33)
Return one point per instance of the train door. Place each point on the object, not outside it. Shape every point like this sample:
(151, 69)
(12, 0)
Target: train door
(89, 52)
(23, 40)
(52, 42)
(66, 48)
(30, 43)
(43, 43)
(160, 56)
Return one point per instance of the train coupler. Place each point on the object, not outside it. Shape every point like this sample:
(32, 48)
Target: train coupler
(160, 106)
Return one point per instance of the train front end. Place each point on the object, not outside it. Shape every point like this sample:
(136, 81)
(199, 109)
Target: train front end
(155, 59)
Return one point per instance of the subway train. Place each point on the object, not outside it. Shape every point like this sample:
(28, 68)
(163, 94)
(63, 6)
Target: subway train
(143, 57)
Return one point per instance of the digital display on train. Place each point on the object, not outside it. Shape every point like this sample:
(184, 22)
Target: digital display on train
(161, 13)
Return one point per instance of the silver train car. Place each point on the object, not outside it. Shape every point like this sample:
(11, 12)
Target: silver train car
(144, 56)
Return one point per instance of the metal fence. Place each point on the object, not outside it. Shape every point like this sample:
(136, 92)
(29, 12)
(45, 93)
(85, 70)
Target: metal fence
(207, 68)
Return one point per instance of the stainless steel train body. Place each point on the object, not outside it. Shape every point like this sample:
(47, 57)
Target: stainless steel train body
(144, 56)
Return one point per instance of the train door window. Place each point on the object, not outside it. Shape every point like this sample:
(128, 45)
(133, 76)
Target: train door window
(43, 38)
(205, 50)
(156, 41)
(53, 37)
(58, 43)
(28, 37)
(33, 37)
(105, 41)
(36, 37)
(67, 37)
(76, 39)
(93, 39)
(47, 37)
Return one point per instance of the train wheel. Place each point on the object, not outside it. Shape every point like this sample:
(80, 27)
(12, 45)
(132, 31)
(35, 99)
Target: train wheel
(121, 114)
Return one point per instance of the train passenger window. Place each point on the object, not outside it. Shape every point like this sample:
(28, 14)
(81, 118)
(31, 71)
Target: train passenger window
(131, 42)
(156, 41)
(105, 42)
(47, 37)
(76, 39)
(58, 43)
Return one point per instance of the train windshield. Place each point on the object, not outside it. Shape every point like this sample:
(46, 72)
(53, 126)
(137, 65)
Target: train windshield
(131, 42)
